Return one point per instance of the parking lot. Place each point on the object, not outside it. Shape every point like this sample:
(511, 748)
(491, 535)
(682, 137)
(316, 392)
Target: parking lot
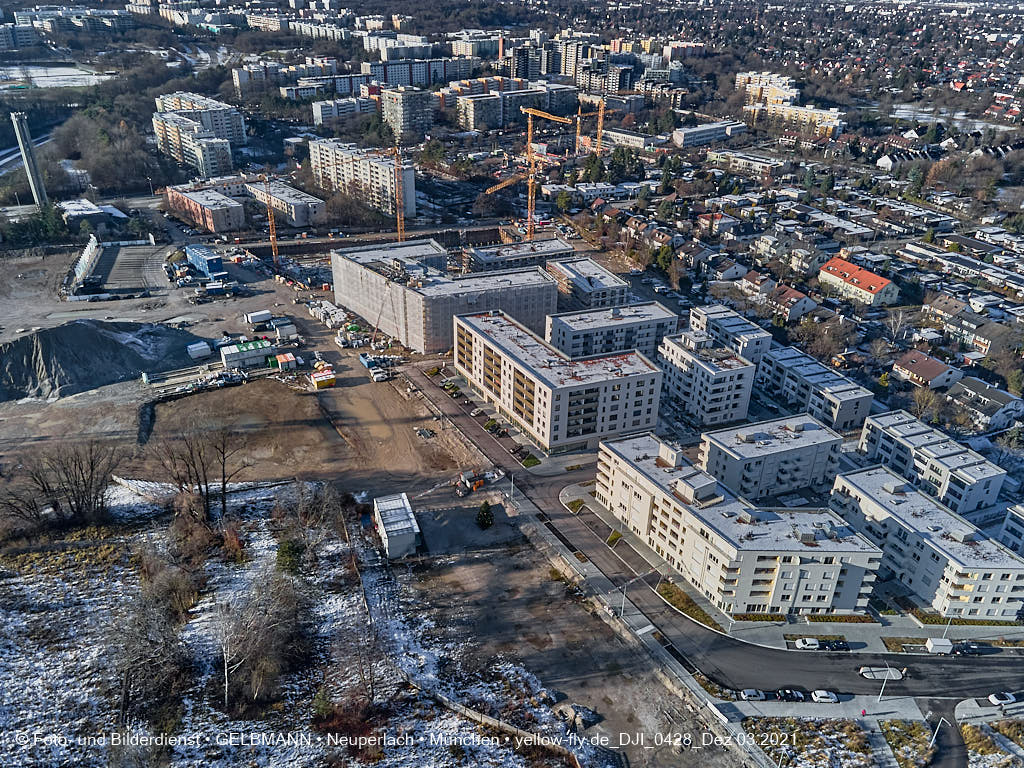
(131, 268)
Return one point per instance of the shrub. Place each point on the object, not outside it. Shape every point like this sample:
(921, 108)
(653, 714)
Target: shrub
(613, 538)
(531, 461)
(685, 604)
(575, 506)
(232, 545)
(289, 555)
(484, 516)
(851, 618)
(760, 617)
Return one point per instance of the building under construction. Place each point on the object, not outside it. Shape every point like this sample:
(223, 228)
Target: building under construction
(403, 290)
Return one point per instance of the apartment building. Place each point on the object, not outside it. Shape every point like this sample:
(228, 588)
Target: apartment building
(767, 88)
(730, 329)
(958, 477)
(857, 284)
(338, 166)
(14, 36)
(743, 559)
(949, 564)
(561, 403)
(407, 110)
(711, 384)
(528, 253)
(585, 282)
(325, 111)
(224, 120)
(188, 142)
(406, 291)
(208, 209)
(480, 111)
(1011, 532)
(708, 133)
(745, 162)
(298, 208)
(804, 383)
(809, 119)
(771, 457)
(615, 329)
(421, 71)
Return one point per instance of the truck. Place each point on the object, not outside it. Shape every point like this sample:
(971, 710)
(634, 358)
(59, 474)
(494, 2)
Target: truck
(939, 645)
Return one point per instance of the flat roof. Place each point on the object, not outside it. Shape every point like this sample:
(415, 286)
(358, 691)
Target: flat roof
(729, 321)
(285, 192)
(744, 526)
(548, 364)
(944, 530)
(717, 358)
(815, 373)
(789, 433)
(590, 319)
(396, 515)
(587, 274)
(211, 198)
(540, 248)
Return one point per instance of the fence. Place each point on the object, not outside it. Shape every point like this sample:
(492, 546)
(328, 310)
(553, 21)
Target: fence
(87, 260)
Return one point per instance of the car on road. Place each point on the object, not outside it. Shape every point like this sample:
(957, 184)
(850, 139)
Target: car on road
(1002, 698)
(807, 644)
(966, 649)
(476, 412)
(835, 645)
(752, 694)
(824, 697)
(790, 694)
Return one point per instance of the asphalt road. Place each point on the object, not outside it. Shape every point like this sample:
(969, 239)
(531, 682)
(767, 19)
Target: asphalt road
(730, 662)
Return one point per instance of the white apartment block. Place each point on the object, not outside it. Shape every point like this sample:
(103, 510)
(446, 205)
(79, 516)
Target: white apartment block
(804, 383)
(224, 120)
(729, 329)
(617, 329)
(325, 111)
(338, 166)
(712, 385)
(299, 209)
(528, 253)
(406, 291)
(947, 562)
(561, 403)
(958, 477)
(699, 135)
(189, 143)
(772, 457)
(588, 284)
(407, 110)
(743, 559)
(1011, 533)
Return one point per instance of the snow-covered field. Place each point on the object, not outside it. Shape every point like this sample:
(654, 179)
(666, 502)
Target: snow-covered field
(59, 697)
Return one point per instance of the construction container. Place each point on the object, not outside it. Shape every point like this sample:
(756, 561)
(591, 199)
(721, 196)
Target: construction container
(285, 332)
(250, 354)
(199, 350)
(254, 318)
(322, 380)
(286, 361)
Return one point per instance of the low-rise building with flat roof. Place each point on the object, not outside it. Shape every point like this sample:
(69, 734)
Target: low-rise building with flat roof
(588, 284)
(743, 559)
(805, 384)
(559, 402)
(404, 290)
(772, 457)
(396, 525)
(206, 208)
(946, 561)
(529, 253)
(299, 209)
(962, 479)
(711, 384)
(615, 329)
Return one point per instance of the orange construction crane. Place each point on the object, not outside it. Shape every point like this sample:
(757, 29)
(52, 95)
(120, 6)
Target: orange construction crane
(531, 192)
(399, 195)
(271, 220)
(600, 124)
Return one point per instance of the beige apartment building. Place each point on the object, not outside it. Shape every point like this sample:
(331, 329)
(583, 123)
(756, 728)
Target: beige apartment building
(711, 384)
(949, 564)
(742, 559)
(561, 403)
(298, 208)
(772, 457)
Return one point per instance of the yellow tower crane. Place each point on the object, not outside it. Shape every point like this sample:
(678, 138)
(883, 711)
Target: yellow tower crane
(399, 194)
(271, 220)
(531, 192)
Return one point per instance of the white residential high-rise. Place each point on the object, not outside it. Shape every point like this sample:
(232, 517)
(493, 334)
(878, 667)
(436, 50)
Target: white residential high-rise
(368, 174)
(960, 478)
(743, 559)
(712, 385)
(729, 329)
(615, 329)
(947, 562)
(772, 457)
(561, 403)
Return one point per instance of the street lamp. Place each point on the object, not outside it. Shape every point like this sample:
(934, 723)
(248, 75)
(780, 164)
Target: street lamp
(884, 681)
(622, 608)
(937, 726)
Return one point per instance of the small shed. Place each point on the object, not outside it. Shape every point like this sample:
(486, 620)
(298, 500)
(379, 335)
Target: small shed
(396, 525)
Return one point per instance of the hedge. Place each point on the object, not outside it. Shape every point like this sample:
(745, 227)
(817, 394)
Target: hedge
(933, 618)
(759, 617)
(842, 618)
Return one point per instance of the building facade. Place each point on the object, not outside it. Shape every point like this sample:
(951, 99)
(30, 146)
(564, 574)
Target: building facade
(742, 559)
(298, 208)
(407, 110)
(857, 284)
(958, 477)
(339, 166)
(616, 329)
(206, 208)
(561, 403)
(711, 384)
(586, 283)
(729, 329)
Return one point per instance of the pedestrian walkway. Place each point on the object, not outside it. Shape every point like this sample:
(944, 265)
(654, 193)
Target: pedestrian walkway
(1007, 745)
(848, 708)
(978, 711)
(880, 749)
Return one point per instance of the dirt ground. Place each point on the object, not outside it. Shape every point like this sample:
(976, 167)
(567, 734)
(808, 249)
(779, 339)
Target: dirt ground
(509, 603)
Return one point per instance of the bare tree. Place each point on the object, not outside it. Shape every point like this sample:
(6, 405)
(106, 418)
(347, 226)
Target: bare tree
(226, 449)
(923, 400)
(188, 461)
(880, 349)
(896, 323)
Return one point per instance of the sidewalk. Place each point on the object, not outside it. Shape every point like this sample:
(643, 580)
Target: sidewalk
(863, 638)
(977, 711)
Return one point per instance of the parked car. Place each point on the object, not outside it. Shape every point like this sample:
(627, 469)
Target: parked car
(824, 697)
(1002, 698)
(807, 644)
(967, 649)
(836, 645)
(476, 412)
(752, 694)
(789, 694)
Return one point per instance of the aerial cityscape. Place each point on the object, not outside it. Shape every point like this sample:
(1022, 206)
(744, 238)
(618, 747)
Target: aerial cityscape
(513, 384)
